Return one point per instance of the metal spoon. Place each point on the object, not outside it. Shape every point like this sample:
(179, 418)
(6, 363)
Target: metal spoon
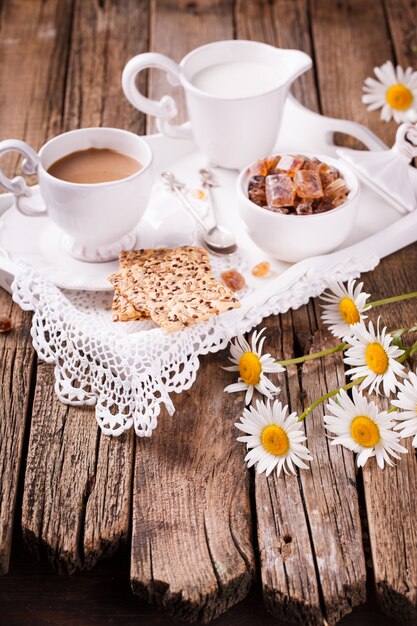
(217, 238)
(223, 236)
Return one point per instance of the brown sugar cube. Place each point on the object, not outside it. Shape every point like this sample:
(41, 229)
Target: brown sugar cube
(337, 192)
(289, 164)
(308, 184)
(324, 206)
(5, 324)
(336, 188)
(304, 208)
(284, 210)
(280, 190)
(312, 164)
(256, 190)
(261, 270)
(327, 174)
(263, 167)
(233, 279)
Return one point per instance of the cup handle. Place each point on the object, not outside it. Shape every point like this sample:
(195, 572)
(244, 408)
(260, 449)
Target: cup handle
(28, 201)
(165, 109)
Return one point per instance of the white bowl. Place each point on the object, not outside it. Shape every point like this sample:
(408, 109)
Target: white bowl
(292, 238)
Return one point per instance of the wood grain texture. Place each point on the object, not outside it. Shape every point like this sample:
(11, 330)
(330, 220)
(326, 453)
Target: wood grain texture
(350, 39)
(191, 548)
(339, 33)
(175, 29)
(289, 581)
(85, 515)
(285, 24)
(319, 576)
(32, 65)
(393, 534)
(391, 499)
(17, 361)
(402, 23)
(310, 575)
(330, 491)
(33, 57)
(105, 35)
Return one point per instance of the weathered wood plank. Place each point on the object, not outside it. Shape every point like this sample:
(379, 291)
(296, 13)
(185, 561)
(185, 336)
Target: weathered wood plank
(177, 28)
(345, 27)
(282, 24)
(191, 550)
(85, 514)
(309, 575)
(329, 488)
(391, 498)
(350, 37)
(402, 23)
(190, 547)
(33, 57)
(17, 361)
(301, 585)
(289, 581)
(32, 73)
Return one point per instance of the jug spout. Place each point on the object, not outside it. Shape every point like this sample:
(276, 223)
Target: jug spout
(294, 63)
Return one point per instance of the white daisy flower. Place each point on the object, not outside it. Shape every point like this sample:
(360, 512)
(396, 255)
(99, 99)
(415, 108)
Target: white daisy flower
(407, 401)
(252, 367)
(373, 357)
(274, 439)
(345, 306)
(395, 93)
(359, 426)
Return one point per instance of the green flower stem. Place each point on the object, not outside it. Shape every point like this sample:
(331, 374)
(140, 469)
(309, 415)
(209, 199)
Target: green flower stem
(316, 403)
(403, 296)
(314, 355)
(341, 347)
(407, 353)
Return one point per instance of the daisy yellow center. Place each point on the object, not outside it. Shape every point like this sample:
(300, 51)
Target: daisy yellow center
(364, 431)
(349, 311)
(376, 358)
(250, 368)
(275, 440)
(399, 97)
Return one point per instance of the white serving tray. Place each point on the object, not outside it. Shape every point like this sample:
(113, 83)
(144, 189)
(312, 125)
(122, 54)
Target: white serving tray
(380, 229)
(135, 367)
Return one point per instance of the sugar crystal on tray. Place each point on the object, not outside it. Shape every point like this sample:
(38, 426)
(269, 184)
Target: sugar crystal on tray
(256, 190)
(280, 190)
(289, 164)
(308, 184)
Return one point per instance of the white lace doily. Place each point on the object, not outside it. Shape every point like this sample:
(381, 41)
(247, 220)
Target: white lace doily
(129, 370)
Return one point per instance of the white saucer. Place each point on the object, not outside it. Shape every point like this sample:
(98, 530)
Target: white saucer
(39, 242)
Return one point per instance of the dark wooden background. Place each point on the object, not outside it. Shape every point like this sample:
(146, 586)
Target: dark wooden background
(188, 528)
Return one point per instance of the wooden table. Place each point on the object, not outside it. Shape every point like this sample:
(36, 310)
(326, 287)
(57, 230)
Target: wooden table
(200, 529)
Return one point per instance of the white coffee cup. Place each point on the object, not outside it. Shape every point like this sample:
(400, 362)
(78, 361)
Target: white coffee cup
(98, 219)
(230, 131)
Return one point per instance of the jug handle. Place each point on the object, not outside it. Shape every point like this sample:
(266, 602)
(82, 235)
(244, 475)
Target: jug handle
(359, 132)
(166, 108)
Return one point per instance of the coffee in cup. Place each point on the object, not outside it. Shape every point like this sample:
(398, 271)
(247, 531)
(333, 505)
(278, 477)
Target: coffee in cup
(97, 212)
(94, 165)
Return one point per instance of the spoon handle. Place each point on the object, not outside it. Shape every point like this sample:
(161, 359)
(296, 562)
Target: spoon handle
(189, 207)
(212, 203)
